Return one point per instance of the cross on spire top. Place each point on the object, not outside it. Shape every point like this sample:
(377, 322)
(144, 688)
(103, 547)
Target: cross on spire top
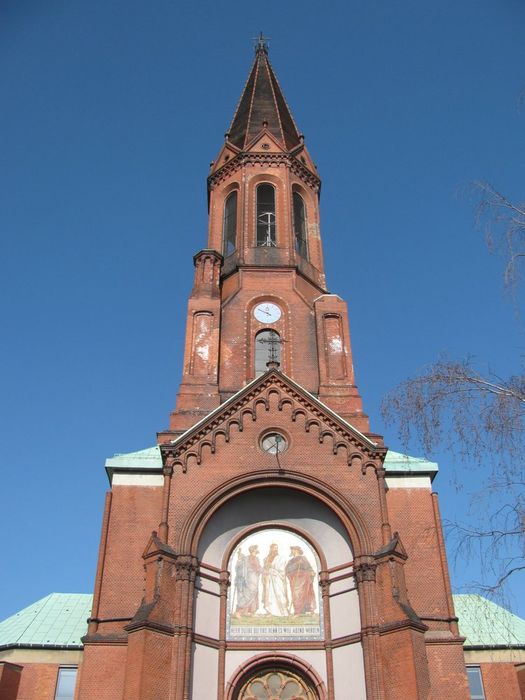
(261, 44)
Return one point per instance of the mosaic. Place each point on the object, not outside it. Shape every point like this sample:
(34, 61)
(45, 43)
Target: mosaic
(274, 592)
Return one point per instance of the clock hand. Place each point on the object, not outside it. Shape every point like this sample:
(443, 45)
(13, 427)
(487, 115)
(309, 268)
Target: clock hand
(271, 444)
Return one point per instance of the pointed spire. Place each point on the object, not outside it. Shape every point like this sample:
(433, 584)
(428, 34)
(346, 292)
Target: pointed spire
(262, 105)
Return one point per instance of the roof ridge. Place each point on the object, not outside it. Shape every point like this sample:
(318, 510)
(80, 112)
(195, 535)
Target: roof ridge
(274, 76)
(257, 66)
(242, 95)
(269, 70)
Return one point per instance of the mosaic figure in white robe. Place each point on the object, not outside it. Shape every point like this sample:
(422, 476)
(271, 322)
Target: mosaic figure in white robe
(247, 572)
(274, 593)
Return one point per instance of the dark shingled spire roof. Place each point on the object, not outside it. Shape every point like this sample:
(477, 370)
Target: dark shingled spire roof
(262, 101)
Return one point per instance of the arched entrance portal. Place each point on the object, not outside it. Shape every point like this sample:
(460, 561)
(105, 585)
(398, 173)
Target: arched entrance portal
(263, 554)
(276, 684)
(275, 676)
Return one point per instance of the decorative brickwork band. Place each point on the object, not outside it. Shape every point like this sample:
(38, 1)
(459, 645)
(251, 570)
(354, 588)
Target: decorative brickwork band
(268, 160)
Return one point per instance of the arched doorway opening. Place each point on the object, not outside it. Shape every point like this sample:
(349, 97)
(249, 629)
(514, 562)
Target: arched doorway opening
(276, 683)
(244, 520)
(275, 676)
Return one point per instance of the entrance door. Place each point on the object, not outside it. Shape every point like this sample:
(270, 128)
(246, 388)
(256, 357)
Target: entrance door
(276, 684)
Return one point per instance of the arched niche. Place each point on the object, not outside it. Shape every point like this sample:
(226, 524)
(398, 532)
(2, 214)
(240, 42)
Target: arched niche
(236, 522)
(274, 591)
(267, 506)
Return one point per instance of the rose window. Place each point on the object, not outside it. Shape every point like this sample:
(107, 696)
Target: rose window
(276, 685)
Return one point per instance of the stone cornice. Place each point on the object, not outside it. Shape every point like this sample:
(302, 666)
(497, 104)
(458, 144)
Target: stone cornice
(268, 160)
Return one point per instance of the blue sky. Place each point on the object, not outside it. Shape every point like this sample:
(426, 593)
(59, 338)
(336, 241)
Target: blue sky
(111, 113)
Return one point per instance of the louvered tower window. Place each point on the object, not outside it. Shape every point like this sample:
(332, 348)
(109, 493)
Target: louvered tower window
(229, 226)
(299, 225)
(266, 216)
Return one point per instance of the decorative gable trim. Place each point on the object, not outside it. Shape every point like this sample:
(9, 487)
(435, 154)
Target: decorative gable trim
(264, 133)
(242, 407)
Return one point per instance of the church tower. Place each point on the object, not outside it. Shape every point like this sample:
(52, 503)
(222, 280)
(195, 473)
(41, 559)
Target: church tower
(269, 546)
(260, 286)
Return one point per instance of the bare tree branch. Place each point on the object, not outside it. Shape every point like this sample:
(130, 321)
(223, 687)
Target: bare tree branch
(480, 418)
(504, 224)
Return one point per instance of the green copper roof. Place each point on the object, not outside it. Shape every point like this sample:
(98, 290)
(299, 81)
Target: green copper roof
(150, 459)
(486, 624)
(58, 620)
(143, 459)
(397, 463)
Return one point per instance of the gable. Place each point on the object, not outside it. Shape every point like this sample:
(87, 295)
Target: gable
(294, 408)
(226, 154)
(242, 405)
(265, 141)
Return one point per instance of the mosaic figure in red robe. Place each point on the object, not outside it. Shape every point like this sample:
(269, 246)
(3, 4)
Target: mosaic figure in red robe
(300, 575)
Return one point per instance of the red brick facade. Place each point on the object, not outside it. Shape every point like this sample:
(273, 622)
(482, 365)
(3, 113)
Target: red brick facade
(146, 637)
(10, 675)
(160, 627)
(500, 680)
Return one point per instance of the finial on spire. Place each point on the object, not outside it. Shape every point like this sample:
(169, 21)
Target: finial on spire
(261, 101)
(261, 44)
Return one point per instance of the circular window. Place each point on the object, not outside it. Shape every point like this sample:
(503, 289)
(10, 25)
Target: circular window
(274, 443)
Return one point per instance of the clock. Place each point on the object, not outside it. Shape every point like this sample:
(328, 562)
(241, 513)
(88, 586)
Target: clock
(267, 312)
(274, 443)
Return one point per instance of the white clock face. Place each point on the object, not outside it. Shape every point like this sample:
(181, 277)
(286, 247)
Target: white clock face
(267, 312)
(274, 443)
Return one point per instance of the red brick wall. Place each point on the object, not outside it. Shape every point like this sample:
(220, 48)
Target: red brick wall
(411, 514)
(242, 455)
(399, 678)
(447, 672)
(9, 680)
(151, 651)
(101, 675)
(520, 670)
(135, 512)
(38, 682)
(500, 681)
